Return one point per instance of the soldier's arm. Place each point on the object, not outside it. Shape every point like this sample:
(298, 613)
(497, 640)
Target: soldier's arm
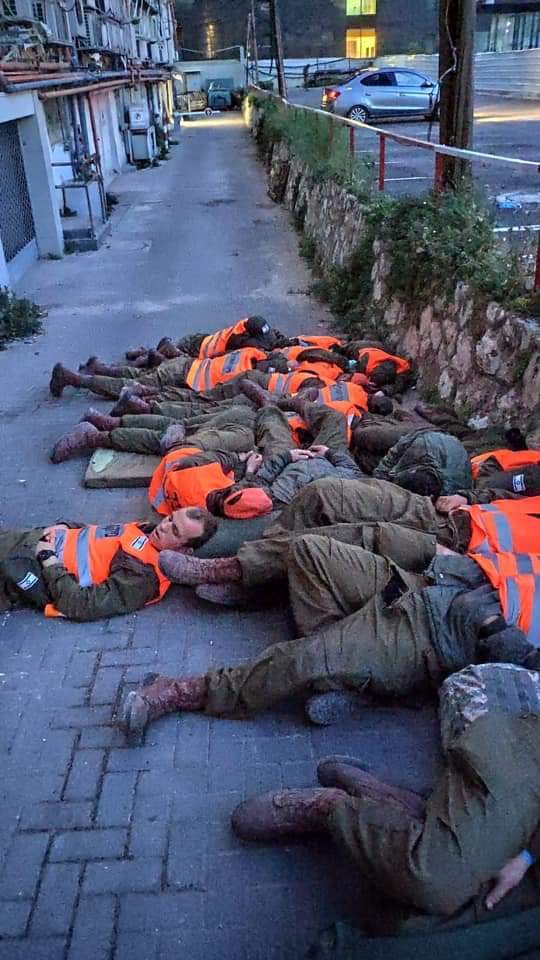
(272, 468)
(129, 586)
(342, 458)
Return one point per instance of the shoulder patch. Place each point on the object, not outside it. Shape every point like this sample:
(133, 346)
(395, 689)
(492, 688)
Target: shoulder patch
(139, 542)
(28, 581)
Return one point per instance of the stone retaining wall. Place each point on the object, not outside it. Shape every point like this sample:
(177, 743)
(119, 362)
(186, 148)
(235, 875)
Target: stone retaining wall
(482, 360)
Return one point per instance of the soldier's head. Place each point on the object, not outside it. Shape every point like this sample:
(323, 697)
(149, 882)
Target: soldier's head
(381, 404)
(420, 480)
(187, 527)
(245, 503)
(257, 326)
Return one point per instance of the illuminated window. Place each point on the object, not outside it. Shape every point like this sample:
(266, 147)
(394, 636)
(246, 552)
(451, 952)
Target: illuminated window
(358, 8)
(361, 44)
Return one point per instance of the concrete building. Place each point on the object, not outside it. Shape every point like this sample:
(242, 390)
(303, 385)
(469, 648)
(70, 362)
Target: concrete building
(381, 27)
(84, 90)
(506, 26)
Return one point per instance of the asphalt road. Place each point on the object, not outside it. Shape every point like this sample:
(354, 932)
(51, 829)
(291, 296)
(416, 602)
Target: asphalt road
(504, 127)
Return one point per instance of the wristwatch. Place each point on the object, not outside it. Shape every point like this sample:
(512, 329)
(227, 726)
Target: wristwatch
(45, 555)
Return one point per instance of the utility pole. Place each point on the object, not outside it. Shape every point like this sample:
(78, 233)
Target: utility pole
(278, 47)
(456, 75)
(254, 38)
(248, 40)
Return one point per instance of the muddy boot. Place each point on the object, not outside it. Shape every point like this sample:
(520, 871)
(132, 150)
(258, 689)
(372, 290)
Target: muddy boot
(174, 435)
(350, 775)
(62, 377)
(96, 366)
(136, 353)
(285, 813)
(159, 696)
(142, 361)
(101, 421)
(257, 394)
(129, 402)
(82, 439)
(337, 706)
(226, 594)
(167, 348)
(191, 571)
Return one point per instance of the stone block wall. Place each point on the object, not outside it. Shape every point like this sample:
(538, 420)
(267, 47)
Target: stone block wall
(479, 358)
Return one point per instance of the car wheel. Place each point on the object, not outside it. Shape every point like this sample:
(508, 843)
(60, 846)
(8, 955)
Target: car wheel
(358, 113)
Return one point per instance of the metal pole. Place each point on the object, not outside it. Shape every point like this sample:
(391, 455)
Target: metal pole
(254, 37)
(278, 48)
(537, 272)
(352, 132)
(382, 161)
(248, 38)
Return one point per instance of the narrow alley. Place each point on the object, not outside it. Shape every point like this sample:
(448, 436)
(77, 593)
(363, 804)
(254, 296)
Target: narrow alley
(112, 853)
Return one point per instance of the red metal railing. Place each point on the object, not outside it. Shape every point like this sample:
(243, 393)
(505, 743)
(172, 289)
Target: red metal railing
(439, 151)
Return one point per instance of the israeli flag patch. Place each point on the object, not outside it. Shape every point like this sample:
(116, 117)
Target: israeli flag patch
(139, 542)
(518, 483)
(28, 581)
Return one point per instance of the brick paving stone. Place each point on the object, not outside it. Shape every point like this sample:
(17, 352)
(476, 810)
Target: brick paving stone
(22, 868)
(106, 684)
(95, 737)
(116, 799)
(93, 930)
(56, 899)
(137, 946)
(165, 911)
(52, 948)
(85, 774)
(88, 845)
(57, 816)
(141, 758)
(14, 917)
(123, 876)
(81, 669)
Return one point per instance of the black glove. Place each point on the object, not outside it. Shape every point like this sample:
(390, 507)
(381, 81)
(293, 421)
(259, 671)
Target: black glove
(509, 645)
(470, 609)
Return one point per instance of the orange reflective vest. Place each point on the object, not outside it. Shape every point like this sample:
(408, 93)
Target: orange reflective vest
(505, 542)
(298, 427)
(507, 459)
(375, 356)
(205, 374)
(88, 553)
(288, 383)
(327, 372)
(323, 343)
(216, 343)
(170, 488)
(344, 395)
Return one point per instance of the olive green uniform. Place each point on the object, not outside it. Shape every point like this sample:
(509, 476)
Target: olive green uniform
(231, 430)
(130, 585)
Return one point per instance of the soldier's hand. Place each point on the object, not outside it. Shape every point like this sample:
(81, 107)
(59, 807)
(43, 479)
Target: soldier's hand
(253, 462)
(509, 877)
(297, 455)
(49, 533)
(449, 504)
(319, 449)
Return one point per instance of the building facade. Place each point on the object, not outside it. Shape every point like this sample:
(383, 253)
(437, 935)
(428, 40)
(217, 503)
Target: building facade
(85, 90)
(502, 27)
(381, 27)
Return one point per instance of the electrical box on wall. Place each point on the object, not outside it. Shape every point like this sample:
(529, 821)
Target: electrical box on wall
(143, 144)
(139, 117)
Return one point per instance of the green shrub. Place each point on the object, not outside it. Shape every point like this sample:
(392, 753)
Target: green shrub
(18, 317)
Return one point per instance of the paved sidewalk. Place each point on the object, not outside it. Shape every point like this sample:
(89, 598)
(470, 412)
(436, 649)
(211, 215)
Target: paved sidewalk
(110, 853)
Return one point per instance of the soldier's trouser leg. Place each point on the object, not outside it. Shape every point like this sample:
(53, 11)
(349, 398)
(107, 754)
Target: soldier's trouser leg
(329, 580)
(268, 559)
(375, 649)
(330, 501)
(231, 389)
(105, 386)
(136, 440)
(191, 344)
(483, 811)
(372, 442)
(170, 373)
(328, 427)
(147, 421)
(234, 439)
(224, 419)
(272, 432)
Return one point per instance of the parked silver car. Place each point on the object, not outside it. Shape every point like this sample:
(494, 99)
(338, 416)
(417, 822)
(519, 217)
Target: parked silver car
(383, 93)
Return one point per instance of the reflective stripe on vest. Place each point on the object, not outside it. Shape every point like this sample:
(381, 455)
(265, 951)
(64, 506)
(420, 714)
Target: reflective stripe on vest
(87, 553)
(156, 492)
(205, 374)
(505, 542)
(506, 459)
(327, 372)
(190, 487)
(376, 357)
(341, 396)
(289, 383)
(216, 343)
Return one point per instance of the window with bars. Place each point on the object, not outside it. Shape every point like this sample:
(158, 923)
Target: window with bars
(39, 10)
(358, 8)
(8, 8)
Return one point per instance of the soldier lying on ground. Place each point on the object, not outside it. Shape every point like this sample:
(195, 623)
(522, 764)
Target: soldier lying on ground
(337, 509)
(368, 621)
(250, 332)
(475, 836)
(88, 572)
(200, 375)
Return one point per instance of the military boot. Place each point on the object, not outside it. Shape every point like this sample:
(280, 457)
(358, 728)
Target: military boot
(101, 421)
(82, 439)
(158, 696)
(285, 813)
(62, 377)
(191, 571)
(350, 775)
